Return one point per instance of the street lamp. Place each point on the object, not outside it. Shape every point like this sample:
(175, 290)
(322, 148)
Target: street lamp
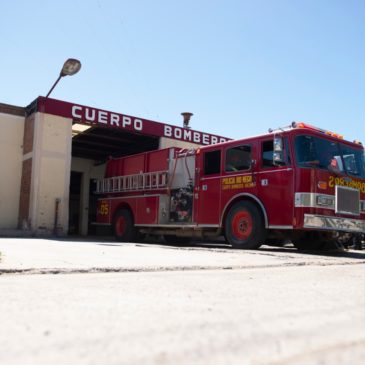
(70, 67)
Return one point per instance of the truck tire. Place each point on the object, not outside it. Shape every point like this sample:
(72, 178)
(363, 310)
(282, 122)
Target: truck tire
(124, 230)
(244, 227)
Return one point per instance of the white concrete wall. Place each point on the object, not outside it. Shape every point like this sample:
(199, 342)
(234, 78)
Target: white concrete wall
(168, 142)
(11, 159)
(87, 166)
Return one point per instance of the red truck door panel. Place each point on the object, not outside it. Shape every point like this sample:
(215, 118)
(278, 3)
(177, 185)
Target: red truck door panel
(238, 177)
(147, 210)
(208, 204)
(275, 186)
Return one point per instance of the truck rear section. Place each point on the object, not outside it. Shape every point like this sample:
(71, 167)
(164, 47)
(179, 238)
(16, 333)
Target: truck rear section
(149, 193)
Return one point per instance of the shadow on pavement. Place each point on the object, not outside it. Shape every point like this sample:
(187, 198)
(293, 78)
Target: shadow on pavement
(218, 244)
(327, 253)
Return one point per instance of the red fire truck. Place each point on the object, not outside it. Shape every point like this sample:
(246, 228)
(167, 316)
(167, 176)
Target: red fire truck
(297, 182)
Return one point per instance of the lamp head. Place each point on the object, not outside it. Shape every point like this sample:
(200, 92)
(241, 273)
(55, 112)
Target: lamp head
(70, 67)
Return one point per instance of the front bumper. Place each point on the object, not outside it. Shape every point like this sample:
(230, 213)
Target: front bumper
(334, 223)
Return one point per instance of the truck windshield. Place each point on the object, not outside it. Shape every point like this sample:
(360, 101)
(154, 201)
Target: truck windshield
(337, 157)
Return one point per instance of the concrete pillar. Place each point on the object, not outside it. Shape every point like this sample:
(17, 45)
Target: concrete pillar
(46, 174)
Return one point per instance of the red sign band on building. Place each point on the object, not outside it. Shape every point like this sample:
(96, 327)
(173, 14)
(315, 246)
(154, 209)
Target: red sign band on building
(98, 117)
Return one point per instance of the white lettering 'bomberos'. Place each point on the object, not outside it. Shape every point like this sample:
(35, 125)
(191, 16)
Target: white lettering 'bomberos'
(191, 136)
(96, 116)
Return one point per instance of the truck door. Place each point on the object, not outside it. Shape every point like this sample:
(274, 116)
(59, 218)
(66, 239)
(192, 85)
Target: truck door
(208, 190)
(238, 177)
(275, 184)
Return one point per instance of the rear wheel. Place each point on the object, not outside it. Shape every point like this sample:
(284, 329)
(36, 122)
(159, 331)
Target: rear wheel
(244, 226)
(123, 225)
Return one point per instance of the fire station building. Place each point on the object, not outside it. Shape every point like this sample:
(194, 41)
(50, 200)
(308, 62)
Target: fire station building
(50, 153)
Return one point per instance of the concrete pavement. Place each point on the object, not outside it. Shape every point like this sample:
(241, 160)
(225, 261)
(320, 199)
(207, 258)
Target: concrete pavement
(141, 304)
(312, 315)
(49, 255)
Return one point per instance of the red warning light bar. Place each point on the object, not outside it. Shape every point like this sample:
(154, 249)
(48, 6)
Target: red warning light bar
(311, 127)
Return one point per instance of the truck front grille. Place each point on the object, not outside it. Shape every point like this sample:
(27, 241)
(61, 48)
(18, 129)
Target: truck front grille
(347, 200)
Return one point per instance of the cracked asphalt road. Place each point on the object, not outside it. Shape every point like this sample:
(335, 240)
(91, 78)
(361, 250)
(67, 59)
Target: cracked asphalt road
(157, 304)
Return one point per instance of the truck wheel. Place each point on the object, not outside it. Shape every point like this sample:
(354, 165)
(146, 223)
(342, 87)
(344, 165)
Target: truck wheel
(244, 227)
(124, 230)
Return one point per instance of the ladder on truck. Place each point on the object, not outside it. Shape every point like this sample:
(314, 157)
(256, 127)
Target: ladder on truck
(136, 182)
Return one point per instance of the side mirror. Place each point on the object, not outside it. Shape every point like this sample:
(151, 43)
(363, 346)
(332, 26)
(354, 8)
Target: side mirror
(278, 153)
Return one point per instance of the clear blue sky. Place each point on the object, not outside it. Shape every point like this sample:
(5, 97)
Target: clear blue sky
(240, 66)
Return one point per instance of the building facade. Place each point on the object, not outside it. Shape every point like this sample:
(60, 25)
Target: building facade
(51, 152)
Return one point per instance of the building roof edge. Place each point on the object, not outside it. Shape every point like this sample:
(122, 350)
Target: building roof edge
(12, 109)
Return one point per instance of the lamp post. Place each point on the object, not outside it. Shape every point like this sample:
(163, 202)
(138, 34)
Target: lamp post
(70, 68)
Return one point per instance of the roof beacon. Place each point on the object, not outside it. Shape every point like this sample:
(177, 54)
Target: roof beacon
(311, 127)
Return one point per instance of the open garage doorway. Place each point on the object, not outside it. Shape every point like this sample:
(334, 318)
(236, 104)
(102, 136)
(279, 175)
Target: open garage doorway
(74, 203)
(82, 205)
(91, 148)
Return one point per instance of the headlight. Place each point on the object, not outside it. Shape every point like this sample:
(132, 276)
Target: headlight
(362, 206)
(325, 201)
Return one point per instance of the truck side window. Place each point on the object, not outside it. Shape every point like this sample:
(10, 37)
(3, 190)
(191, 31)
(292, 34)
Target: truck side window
(238, 158)
(268, 150)
(212, 162)
(287, 149)
(267, 153)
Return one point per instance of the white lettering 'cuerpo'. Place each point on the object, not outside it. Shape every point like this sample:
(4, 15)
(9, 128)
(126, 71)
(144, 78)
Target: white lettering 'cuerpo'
(90, 114)
(138, 124)
(98, 116)
(126, 121)
(75, 110)
(114, 119)
(103, 117)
